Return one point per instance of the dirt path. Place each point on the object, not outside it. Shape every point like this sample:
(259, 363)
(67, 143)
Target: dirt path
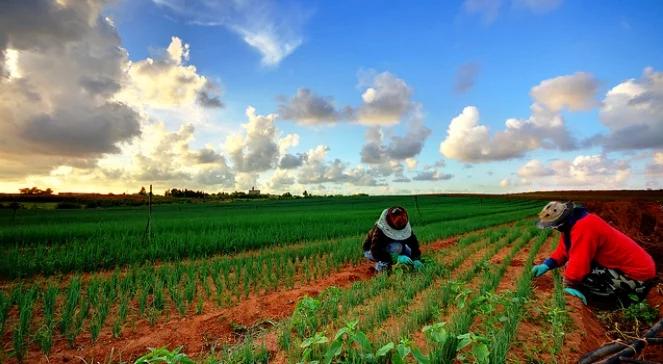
(196, 334)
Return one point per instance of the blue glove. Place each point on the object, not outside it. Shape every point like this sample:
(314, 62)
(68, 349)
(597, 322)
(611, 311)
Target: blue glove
(417, 264)
(539, 270)
(404, 259)
(576, 293)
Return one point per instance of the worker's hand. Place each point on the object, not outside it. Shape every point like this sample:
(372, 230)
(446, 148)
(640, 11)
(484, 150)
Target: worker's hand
(381, 266)
(539, 270)
(417, 264)
(404, 259)
(576, 293)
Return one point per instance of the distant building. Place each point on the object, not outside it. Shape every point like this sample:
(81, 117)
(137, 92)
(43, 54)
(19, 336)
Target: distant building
(254, 192)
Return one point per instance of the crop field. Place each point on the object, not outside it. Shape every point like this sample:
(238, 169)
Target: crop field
(284, 282)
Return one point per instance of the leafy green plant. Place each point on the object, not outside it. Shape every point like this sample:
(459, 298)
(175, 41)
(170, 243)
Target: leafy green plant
(164, 356)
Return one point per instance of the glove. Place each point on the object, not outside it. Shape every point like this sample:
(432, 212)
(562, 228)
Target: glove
(576, 293)
(404, 259)
(381, 266)
(539, 270)
(417, 264)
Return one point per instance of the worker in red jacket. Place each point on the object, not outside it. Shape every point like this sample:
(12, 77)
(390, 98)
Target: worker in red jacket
(602, 263)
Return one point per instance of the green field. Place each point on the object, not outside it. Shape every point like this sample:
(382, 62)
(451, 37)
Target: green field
(74, 276)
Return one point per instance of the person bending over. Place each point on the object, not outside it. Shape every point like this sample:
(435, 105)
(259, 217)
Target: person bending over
(392, 241)
(602, 263)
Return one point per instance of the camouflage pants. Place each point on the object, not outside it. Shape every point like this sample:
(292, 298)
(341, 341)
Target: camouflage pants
(612, 286)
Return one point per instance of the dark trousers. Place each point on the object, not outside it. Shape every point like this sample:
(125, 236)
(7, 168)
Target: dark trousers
(612, 288)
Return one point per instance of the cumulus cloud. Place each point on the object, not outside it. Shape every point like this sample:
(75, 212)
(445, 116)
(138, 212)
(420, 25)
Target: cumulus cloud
(308, 108)
(466, 77)
(575, 92)
(57, 90)
(470, 141)
(584, 171)
(291, 161)
(380, 149)
(385, 101)
(633, 111)
(317, 170)
(274, 29)
(257, 149)
(534, 168)
(432, 176)
(168, 82)
(655, 166)
(166, 157)
(281, 180)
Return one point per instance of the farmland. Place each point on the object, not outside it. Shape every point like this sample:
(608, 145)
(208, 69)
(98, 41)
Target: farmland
(284, 281)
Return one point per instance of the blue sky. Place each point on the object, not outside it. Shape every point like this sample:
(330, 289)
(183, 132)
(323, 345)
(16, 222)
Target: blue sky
(260, 53)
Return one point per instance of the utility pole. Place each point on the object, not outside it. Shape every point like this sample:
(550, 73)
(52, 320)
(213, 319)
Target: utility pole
(148, 228)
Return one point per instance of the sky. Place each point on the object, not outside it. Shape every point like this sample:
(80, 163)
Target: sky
(332, 97)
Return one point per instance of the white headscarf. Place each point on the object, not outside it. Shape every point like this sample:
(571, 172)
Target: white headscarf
(389, 231)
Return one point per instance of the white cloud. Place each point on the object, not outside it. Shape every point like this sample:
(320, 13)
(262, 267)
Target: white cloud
(385, 101)
(583, 172)
(60, 67)
(281, 180)
(272, 28)
(575, 92)
(534, 168)
(411, 163)
(431, 176)
(317, 170)
(377, 150)
(166, 157)
(469, 141)
(167, 82)
(633, 111)
(654, 171)
(308, 108)
(256, 150)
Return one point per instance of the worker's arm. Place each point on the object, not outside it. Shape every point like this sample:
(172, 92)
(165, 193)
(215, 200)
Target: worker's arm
(378, 247)
(559, 257)
(413, 243)
(582, 252)
(556, 259)
(368, 240)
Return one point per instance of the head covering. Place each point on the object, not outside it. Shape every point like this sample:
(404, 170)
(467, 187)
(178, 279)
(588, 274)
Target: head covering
(391, 232)
(554, 214)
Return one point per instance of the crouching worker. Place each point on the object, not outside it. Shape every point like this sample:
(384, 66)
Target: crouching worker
(602, 263)
(391, 241)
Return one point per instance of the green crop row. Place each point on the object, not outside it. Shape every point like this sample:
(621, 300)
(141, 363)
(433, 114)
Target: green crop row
(52, 242)
(150, 292)
(393, 295)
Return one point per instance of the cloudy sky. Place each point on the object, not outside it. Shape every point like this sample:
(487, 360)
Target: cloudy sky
(331, 96)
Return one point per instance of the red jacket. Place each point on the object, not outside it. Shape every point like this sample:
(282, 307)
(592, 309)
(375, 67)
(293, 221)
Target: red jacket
(594, 240)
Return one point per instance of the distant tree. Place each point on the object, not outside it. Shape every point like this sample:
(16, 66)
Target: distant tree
(305, 194)
(142, 192)
(34, 191)
(287, 195)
